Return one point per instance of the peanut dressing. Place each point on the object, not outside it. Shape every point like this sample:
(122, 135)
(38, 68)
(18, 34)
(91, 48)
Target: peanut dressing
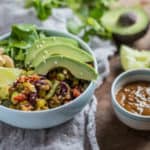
(135, 97)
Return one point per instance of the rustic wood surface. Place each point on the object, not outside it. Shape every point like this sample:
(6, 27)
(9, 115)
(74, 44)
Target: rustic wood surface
(111, 133)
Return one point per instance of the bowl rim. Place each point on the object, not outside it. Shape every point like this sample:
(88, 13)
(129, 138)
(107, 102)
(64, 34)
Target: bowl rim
(92, 84)
(115, 103)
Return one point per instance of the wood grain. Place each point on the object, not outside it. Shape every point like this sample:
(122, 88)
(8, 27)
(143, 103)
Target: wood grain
(111, 133)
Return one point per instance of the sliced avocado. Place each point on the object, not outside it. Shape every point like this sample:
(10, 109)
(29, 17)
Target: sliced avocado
(62, 49)
(126, 24)
(41, 44)
(78, 69)
(8, 75)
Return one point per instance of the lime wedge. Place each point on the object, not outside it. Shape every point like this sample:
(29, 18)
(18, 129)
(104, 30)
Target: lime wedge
(8, 75)
(134, 59)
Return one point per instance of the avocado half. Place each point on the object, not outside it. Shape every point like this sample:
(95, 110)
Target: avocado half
(126, 24)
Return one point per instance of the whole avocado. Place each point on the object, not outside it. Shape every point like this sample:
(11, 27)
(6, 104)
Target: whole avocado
(126, 24)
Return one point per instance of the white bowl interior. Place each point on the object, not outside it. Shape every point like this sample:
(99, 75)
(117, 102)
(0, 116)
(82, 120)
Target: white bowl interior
(130, 78)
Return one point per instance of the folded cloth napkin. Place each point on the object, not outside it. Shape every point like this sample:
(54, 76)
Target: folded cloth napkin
(76, 134)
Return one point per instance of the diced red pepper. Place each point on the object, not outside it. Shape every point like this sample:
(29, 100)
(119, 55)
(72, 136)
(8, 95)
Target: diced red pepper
(29, 78)
(22, 79)
(76, 92)
(34, 78)
(20, 97)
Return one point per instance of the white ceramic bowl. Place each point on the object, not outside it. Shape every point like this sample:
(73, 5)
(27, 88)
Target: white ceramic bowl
(132, 120)
(51, 117)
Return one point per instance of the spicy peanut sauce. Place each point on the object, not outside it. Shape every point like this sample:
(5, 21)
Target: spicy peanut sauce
(135, 97)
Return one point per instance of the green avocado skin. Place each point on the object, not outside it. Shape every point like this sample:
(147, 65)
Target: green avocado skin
(78, 69)
(130, 33)
(43, 43)
(64, 50)
(129, 39)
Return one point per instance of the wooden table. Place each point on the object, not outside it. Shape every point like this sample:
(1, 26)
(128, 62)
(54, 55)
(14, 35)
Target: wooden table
(111, 133)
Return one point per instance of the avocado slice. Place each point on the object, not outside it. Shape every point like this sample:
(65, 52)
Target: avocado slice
(126, 24)
(43, 43)
(62, 49)
(8, 75)
(78, 69)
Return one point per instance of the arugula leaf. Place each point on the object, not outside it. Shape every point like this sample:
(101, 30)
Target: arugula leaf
(43, 7)
(3, 42)
(21, 38)
(20, 56)
(23, 35)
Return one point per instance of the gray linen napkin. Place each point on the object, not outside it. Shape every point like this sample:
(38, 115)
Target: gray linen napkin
(78, 133)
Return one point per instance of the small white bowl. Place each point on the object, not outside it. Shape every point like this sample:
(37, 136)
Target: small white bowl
(130, 119)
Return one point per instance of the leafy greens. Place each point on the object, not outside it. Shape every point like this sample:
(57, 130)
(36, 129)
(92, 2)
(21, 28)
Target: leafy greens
(44, 7)
(21, 38)
(89, 12)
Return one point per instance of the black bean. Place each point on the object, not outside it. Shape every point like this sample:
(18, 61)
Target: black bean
(15, 83)
(62, 89)
(32, 98)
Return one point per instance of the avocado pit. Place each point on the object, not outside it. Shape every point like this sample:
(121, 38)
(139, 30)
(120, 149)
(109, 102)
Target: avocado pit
(127, 19)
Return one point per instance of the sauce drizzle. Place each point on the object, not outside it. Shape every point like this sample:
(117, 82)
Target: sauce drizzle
(135, 97)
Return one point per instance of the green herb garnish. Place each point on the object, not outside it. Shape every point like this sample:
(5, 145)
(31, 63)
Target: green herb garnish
(89, 12)
(21, 38)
